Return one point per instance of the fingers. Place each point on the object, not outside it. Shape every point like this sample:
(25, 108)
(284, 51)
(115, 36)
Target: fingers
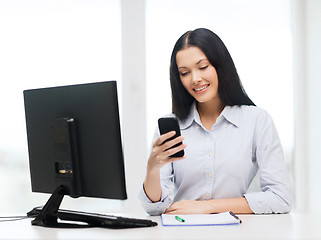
(163, 142)
(169, 210)
(162, 154)
(172, 142)
(161, 151)
(188, 207)
(173, 209)
(164, 137)
(169, 148)
(176, 211)
(169, 151)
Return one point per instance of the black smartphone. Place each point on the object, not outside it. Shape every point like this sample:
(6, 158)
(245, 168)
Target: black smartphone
(168, 124)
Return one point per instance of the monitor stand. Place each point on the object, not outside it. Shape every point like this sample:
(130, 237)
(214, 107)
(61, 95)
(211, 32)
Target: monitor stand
(68, 180)
(48, 216)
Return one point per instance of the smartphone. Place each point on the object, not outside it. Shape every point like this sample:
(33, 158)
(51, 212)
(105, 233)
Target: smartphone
(168, 124)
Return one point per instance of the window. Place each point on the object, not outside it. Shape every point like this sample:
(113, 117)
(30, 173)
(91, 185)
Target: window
(43, 44)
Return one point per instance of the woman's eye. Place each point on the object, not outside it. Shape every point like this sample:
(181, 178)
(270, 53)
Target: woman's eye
(204, 67)
(183, 73)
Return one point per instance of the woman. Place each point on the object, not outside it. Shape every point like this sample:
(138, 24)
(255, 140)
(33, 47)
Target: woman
(226, 140)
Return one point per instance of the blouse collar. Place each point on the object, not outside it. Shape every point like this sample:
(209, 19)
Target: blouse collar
(229, 113)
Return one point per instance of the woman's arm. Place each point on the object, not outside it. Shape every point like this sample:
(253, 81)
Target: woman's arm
(276, 194)
(152, 185)
(236, 205)
(158, 158)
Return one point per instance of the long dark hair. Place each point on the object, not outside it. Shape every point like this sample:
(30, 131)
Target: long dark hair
(230, 89)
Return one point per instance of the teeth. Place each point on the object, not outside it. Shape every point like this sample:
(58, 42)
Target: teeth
(200, 89)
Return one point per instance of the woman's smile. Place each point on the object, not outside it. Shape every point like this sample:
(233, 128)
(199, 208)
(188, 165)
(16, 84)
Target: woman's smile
(201, 88)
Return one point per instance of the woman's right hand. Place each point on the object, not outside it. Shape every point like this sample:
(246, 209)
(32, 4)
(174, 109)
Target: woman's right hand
(162, 151)
(160, 156)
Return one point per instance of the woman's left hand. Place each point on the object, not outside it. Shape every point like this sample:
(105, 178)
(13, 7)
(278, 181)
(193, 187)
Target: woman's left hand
(189, 207)
(236, 205)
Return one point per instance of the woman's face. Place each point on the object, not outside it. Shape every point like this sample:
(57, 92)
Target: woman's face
(198, 76)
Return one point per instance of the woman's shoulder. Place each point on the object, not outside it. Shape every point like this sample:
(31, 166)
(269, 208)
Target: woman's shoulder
(250, 110)
(250, 113)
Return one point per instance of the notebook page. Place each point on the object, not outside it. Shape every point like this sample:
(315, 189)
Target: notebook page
(200, 219)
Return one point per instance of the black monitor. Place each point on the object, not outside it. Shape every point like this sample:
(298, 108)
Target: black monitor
(74, 144)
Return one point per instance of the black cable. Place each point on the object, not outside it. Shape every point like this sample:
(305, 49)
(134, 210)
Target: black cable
(12, 218)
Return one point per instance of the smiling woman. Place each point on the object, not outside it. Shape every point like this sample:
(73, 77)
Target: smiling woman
(261, 47)
(222, 131)
(200, 59)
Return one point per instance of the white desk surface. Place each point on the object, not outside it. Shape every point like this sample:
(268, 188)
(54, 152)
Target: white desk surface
(284, 226)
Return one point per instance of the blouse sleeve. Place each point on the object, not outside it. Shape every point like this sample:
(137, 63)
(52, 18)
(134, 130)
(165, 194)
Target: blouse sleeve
(167, 185)
(276, 189)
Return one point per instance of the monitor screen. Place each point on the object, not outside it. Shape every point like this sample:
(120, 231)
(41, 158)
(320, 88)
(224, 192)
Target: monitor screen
(74, 140)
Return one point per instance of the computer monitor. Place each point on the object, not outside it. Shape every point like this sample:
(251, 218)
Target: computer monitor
(74, 144)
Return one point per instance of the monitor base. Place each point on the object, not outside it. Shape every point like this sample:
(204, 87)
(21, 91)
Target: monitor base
(48, 217)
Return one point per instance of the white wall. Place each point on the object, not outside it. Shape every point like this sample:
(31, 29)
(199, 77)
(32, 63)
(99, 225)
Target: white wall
(134, 100)
(48, 43)
(307, 65)
(21, 57)
(314, 101)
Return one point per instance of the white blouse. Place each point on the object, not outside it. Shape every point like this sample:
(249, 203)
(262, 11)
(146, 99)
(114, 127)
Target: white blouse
(222, 162)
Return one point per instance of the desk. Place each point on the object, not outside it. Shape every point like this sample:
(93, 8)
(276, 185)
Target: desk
(284, 226)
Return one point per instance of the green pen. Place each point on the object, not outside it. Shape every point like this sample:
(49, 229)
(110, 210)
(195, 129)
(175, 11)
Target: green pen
(179, 219)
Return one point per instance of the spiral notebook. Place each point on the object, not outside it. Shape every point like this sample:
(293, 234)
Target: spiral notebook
(225, 218)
